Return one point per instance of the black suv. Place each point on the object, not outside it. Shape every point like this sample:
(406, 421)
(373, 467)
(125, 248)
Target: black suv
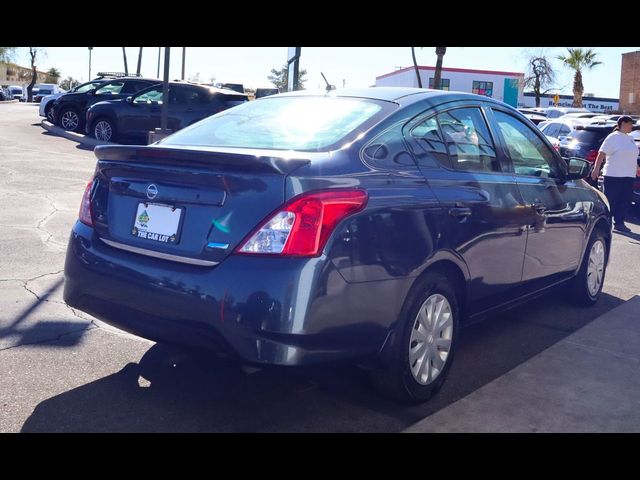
(135, 116)
(69, 110)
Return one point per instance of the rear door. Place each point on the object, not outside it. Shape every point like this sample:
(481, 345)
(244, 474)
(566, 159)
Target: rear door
(557, 215)
(484, 221)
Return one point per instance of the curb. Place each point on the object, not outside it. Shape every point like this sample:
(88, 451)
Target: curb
(76, 137)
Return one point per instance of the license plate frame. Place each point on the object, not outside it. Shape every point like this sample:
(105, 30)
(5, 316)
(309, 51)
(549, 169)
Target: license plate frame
(167, 227)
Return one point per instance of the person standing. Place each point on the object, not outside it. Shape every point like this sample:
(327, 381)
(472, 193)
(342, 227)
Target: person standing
(619, 170)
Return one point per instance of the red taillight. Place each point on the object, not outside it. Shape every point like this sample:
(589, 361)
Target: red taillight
(85, 206)
(303, 225)
(591, 156)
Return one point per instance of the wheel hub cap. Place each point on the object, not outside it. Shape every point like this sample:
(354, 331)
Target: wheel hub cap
(595, 268)
(431, 338)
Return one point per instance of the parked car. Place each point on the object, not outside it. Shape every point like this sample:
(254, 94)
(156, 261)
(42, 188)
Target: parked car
(135, 116)
(265, 92)
(69, 111)
(3, 96)
(555, 112)
(46, 104)
(362, 225)
(16, 93)
(557, 129)
(45, 89)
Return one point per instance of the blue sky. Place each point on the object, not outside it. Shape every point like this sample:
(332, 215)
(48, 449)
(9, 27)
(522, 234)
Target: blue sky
(348, 66)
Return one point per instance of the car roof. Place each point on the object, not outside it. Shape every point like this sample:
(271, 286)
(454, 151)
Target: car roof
(405, 95)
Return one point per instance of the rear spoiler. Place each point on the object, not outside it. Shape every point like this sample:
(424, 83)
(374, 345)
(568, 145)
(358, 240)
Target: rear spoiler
(200, 158)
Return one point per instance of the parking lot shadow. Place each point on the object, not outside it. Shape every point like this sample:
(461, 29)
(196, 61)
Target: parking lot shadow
(28, 328)
(170, 390)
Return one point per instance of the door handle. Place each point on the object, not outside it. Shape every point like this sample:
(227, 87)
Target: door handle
(461, 213)
(539, 208)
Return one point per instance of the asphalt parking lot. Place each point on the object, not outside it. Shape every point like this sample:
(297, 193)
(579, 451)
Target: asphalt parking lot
(62, 371)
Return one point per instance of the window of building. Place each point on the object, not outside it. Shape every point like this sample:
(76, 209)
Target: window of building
(483, 88)
(444, 83)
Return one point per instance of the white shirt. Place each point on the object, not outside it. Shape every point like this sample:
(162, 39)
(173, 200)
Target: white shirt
(621, 155)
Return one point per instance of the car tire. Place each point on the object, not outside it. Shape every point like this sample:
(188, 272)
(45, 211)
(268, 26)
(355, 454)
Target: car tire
(103, 129)
(48, 112)
(587, 285)
(422, 349)
(70, 119)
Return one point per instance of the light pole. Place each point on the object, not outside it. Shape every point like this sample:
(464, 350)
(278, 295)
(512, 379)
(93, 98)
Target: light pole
(184, 50)
(158, 74)
(90, 48)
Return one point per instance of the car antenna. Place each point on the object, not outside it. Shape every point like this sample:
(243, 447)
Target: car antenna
(329, 86)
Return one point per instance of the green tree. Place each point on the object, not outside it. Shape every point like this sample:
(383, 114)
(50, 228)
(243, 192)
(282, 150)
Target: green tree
(6, 54)
(540, 75)
(578, 60)
(437, 76)
(69, 83)
(53, 75)
(280, 78)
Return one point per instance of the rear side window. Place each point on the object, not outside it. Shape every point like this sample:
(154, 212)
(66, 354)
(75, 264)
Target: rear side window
(590, 137)
(430, 145)
(285, 123)
(387, 151)
(468, 142)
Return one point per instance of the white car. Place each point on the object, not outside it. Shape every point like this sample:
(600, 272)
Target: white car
(557, 129)
(47, 102)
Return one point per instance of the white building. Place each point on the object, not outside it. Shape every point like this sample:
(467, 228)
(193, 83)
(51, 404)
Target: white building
(594, 104)
(503, 86)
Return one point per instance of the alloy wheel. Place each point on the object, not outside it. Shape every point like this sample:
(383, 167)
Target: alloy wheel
(595, 268)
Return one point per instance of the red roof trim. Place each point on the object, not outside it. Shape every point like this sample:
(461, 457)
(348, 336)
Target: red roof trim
(459, 70)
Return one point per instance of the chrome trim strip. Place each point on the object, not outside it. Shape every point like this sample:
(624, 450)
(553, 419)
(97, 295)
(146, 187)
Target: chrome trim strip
(164, 256)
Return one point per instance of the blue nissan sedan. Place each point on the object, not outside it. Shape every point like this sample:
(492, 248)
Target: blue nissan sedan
(362, 225)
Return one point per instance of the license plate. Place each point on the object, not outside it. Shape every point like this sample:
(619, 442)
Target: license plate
(157, 222)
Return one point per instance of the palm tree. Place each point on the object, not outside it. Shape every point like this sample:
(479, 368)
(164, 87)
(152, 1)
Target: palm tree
(126, 68)
(579, 59)
(440, 51)
(139, 61)
(415, 65)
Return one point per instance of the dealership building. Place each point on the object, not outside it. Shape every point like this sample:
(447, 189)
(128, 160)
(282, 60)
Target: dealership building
(503, 86)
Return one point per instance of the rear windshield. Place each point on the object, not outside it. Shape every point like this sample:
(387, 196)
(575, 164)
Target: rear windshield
(590, 136)
(286, 123)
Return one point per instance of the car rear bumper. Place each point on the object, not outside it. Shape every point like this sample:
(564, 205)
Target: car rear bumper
(285, 311)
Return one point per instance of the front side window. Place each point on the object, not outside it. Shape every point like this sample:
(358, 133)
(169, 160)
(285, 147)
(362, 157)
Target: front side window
(87, 86)
(133, 86)
(529, 154)
(113, 88)
(483, 88)
(153, 96)
(286, 123)
(468, 141)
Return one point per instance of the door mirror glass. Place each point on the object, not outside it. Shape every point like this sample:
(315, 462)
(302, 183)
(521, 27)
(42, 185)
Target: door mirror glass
(578, 168)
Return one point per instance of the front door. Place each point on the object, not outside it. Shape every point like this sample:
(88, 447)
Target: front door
(557, 217)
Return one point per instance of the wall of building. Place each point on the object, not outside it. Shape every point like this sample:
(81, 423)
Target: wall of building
(12, 74)
(630, 83)
(459, 80)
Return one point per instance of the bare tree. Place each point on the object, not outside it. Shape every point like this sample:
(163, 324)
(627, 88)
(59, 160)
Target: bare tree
(415, 65)
(540, 75)
(139, 61)
(33, 53)
(437, 76)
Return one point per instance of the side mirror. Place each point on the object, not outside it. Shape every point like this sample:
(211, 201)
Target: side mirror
(578, 168)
